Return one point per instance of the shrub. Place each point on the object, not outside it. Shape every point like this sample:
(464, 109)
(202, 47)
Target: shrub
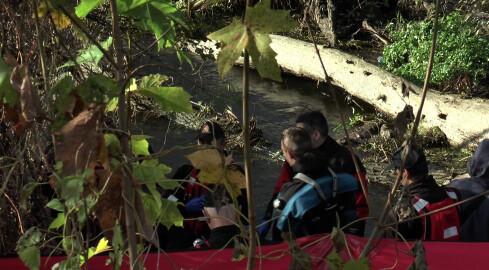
(459, 51)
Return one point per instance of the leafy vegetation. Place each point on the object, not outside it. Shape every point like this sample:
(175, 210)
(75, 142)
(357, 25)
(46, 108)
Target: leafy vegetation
(460, 51)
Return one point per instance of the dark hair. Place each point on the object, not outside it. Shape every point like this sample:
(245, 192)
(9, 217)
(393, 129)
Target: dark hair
(298, 141)
(314, 120)
(415, 163)
(210, 131)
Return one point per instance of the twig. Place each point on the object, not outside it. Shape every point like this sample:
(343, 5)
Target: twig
(369, 28)
(92, 38)
(348, 140)
(383, 216)
(40, 46)
(17, 211)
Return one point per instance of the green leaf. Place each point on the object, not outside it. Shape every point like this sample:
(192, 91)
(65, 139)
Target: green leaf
(153, 80)
(167, 214)
(118, 245)
(31, 257)
(98, 89)
(360, 264)
(170, 98)
(139, 144)
(93, 54)
(234, 38)
(7, 93)
(334, 261)
(27, 190)
(125, 5)
(72, 188)
(155, 16)
(263, 19)
(86, 6)
(55, 204)
(90, 202)
(150, 171)
(30, 238)
(62, 91)
(263, 57)
(58, 221)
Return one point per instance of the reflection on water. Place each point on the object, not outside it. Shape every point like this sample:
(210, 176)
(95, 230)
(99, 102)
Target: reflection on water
(274, 105)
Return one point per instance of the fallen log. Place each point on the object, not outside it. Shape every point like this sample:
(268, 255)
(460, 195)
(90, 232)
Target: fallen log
(464, 121)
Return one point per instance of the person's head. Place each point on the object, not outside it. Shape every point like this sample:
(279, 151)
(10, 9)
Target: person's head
(295, 142)
(211, 133)
(415, 166)
(315, 124)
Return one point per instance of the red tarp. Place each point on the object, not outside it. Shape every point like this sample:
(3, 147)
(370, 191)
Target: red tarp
(386, 254)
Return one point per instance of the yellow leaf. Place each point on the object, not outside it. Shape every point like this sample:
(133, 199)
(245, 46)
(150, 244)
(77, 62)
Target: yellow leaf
(216, 168)
(59, 18)
(103, 245)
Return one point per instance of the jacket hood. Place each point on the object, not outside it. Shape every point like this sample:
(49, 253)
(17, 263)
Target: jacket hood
(479, 163)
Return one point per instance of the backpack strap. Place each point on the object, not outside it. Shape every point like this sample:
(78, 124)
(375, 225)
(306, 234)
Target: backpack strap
(334, 184)
(310, 181)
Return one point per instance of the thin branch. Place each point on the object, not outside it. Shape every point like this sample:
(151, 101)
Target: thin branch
(348, 140)
(387, 206)
(40, 46)
(92, 38)
(17, 211)
(438, 210)
(150, 46)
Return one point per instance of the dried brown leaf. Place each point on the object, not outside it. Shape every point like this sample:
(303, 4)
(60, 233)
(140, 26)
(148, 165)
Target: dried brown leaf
(82, 137)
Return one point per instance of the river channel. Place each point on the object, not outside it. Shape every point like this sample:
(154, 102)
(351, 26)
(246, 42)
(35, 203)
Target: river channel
(275, 107)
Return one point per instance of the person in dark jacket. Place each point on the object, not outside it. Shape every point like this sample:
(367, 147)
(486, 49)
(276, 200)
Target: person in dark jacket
(421, 194)
(222, 218)
(474, 215)
(192, 195)
(334, 156)
(310, 202)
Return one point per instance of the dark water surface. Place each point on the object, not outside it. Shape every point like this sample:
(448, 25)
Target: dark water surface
(275, 107)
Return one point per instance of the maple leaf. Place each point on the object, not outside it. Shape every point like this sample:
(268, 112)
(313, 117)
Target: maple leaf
(255, 38)
(156, 16)
(235, 38)
(216, 168)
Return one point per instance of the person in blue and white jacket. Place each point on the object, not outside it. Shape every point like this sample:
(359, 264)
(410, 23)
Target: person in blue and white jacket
(311, 203)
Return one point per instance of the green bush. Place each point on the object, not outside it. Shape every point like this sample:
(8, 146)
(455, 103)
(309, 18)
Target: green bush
(459, 50)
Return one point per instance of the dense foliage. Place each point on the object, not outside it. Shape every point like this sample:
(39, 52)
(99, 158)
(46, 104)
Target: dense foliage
(460, 51)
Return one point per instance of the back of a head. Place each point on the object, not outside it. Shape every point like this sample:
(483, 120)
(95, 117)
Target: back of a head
(478, 165)
(315, 120)
(210, 131)
(297, 141)
(415, 163)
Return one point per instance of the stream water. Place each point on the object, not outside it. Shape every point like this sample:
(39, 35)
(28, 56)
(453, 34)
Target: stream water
(274, 105)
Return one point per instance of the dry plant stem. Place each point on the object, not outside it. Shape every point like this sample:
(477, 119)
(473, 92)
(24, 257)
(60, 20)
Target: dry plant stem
(350, 146)
(79, 25)
(136, 56)
(128, 192)
(247, 153)
(439, 210)
(63, 45)
(18, 214)
(41, 48)
(387, 206)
